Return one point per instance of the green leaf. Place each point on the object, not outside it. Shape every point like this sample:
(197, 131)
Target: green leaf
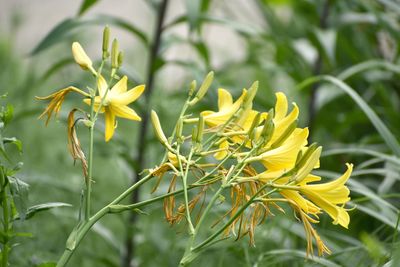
(19, 191)
(7, 114)
(42, 207)
(66, 28)
(385, 133)
(193, 9)
(14, 141)
(86, 4)
(48, 264)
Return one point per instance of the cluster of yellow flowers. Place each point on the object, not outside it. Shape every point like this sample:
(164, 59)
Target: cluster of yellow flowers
(264, 158)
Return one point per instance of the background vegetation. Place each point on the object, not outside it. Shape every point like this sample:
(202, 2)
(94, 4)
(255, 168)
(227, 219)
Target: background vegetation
(286, 45)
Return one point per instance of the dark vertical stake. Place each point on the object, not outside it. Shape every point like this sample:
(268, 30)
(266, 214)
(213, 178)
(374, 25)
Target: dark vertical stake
(129, 243)
(323, 24)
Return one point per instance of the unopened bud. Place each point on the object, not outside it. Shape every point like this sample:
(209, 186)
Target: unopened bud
(106, 41)
(200, 129)
(194, 134)
(248, 100)
(81, 58)
(114, 54)
(157, 127)
(308, 163)
(268, 128)
(120, 58)
(289, 130)
(192, 88)
(179, 130)
(254, 124)
(203, 88)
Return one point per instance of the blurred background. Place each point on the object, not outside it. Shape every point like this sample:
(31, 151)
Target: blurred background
(280, 43)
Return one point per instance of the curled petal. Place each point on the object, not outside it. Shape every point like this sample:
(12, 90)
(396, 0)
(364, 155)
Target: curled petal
(121, 86)
(110, 124)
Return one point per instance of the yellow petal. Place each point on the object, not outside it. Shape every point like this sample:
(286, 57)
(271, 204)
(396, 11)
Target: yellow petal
(281, 106)
(129, 96)
(336, 183)
(102, 85)
(282, 124)
(110, 124)
(222, 154)
(121, 86)
(284, 156)
(125, 112)
(303, 203)
(338, 214)
(224, 99)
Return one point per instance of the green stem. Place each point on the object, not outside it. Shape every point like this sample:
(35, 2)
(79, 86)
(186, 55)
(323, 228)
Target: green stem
(90, 163)
(83, 229)
(185, 191)
(6, 219)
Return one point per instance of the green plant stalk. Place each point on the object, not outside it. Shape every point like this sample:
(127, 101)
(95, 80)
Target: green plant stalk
(90, 163)
(87, 225)
(6, 220)
(185, 190)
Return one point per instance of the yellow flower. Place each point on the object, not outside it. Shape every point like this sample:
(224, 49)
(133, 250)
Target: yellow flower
(116, 103)
(283, 157)
(331, 197)
(226, 108)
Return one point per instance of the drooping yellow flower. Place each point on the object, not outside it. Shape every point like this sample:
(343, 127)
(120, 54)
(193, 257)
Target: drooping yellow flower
(115, 103)
(331, 197)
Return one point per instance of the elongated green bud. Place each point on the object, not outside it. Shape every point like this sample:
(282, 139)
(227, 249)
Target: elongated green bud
(179, 130)
(194, 134)
(106, 42)
(254, 124)
(308, 163)
(203, 88)
(114, 54)
(120, 58)
(268, 129)
(200, 129)
(289, 130)
(157, 127)
(192, 88)
(248, 101)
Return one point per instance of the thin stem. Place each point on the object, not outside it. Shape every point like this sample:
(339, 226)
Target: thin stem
(185, 191)
(82, 230)
(90, 163)
(6, 220)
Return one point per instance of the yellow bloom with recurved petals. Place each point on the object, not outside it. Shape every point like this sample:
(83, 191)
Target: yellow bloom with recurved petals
(115, 103)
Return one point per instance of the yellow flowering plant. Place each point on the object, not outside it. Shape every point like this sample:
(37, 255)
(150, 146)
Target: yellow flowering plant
(255, 162)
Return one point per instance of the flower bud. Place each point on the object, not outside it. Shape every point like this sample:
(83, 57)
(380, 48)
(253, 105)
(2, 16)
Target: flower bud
(203, 88)
(268, 128)
(192, 88)
(157, 127)
(106, 41)
(289, 130)
(81, 58)
(308, 163)
(248, 100)
(120, 58)
(200, 129)
(114, 54)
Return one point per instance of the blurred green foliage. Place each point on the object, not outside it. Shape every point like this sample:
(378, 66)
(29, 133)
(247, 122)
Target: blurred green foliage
(284, 43)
